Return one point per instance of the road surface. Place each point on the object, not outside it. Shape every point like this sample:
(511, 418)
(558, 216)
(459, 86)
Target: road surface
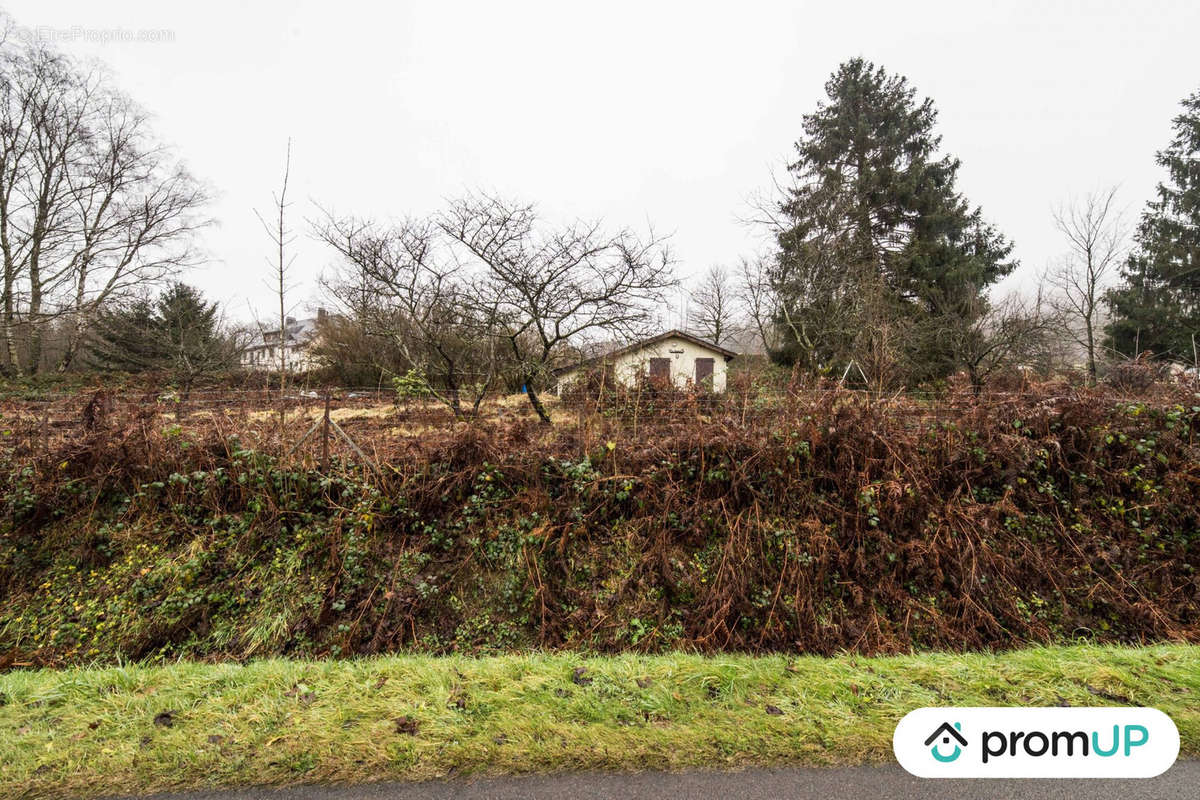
(1181, 782)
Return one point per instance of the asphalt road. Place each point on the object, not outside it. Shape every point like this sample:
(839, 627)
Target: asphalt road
(1181, 782)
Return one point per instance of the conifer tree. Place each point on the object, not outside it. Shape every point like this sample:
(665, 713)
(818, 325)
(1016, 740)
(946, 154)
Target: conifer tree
(876, 236)
(179, 333)
(1157, 310)
(125, 338)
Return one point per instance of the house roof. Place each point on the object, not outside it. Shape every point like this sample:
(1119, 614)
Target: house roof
(945, 729)
(297, 332)
(674, 333)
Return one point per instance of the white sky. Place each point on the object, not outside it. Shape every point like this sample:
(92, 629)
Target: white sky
(636, 112)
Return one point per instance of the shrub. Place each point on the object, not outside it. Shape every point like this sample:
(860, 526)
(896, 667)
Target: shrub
(816, 521)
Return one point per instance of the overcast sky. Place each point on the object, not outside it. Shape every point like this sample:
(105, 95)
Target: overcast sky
(664, 113)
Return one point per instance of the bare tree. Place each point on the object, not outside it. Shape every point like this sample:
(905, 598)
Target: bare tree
(45, 102)
(281, 236)
(878, 340)
(1096, 233)
(1008, 334)
(757, 295)
(556, 285)
(714, 311)
(90, 206)
(134, 219)
(401, 285)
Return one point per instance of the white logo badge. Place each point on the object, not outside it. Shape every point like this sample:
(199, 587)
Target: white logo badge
(1036, 742)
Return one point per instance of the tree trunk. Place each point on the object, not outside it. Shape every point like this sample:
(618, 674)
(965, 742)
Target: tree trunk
(73, 343)
(976, 380)
(35, 294)
(536, 402)
(1091, 352)
(68, 357)
(34, 361)
(482, 394)
(452, 391)
(10, 334)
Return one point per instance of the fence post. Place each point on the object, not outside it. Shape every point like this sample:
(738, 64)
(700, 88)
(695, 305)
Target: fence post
(325, 437)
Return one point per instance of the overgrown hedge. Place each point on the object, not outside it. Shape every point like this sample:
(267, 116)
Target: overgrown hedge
(840, 523)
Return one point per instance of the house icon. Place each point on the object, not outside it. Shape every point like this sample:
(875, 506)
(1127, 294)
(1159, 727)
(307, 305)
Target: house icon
(946, 732)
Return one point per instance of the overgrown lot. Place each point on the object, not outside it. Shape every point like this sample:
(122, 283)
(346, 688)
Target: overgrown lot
(819, 522)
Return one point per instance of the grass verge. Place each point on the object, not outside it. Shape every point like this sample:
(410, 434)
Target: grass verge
(89, 732)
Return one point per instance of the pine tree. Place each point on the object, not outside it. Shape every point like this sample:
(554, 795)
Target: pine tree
(876, 232)
(177, 333)
(190, 328)
(125, 338)
(1157, 310)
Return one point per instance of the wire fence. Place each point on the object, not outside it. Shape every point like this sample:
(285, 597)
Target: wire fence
(63, 406)
(369, 425)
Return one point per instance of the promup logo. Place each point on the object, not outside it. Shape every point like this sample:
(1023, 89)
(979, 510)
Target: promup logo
(946, 732)
(1036, 742)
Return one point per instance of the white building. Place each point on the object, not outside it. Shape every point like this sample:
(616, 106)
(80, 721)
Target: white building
(263, 354)
(675, 357)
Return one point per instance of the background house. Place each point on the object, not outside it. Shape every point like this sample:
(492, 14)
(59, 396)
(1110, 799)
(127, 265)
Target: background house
(675, 356)
(298, 334)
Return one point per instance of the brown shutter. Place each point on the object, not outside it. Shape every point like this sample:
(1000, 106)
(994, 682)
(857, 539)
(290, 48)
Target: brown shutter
(660, 369)
(704, 372)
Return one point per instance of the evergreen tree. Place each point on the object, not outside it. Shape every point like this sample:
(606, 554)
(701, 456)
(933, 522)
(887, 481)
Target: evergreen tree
(1157, 309)
(876, 235)
(191, 332)
(125, 338)
(178, 333)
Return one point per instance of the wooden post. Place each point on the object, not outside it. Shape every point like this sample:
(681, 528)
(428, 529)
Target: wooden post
(325, 437)
(580, 399)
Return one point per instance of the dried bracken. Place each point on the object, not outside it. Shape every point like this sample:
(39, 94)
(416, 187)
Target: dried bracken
(800, 519)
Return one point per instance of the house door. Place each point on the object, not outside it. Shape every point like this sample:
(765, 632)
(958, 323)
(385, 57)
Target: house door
(660, 370)
(704, 372)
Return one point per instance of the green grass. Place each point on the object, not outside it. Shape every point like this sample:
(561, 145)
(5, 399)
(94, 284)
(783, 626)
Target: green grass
(87, 732)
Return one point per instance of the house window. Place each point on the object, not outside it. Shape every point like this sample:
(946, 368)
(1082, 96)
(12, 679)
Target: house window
(704, 372)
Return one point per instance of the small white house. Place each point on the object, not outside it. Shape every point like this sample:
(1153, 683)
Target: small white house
(675, 357)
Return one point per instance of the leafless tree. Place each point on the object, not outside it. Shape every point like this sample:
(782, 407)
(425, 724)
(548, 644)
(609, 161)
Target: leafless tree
(402, 285)
(714, 305)
(758, 297)
(1096, 233)
(556, 285)
(90, 206)
(1007, 334)
(827, 313)
(281, 236)
(127, 238)
(877, 338)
